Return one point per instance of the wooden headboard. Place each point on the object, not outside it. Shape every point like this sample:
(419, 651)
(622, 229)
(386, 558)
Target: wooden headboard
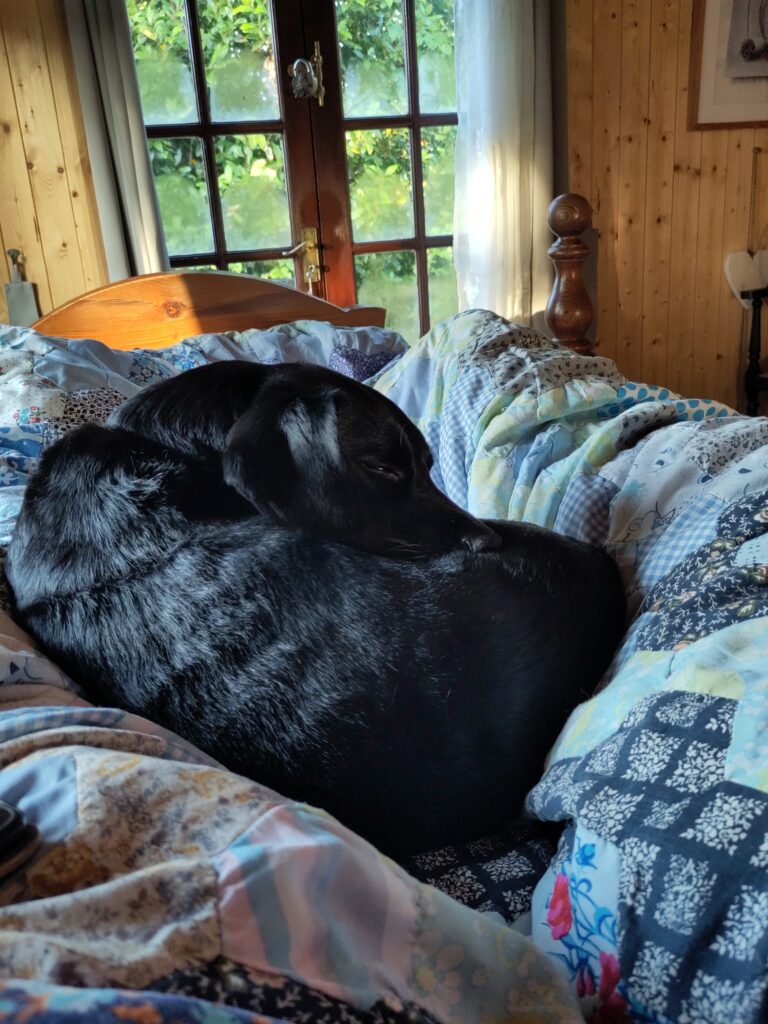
(156, 310)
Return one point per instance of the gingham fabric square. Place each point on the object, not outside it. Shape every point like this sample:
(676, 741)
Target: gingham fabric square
(695, 525)
(584, 512)
(431, 432)
(464, 404)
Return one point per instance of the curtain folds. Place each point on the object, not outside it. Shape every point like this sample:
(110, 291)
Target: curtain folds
(109, 92)
(503, 156)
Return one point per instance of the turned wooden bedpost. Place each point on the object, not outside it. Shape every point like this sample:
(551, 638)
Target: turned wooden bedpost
(569, 310)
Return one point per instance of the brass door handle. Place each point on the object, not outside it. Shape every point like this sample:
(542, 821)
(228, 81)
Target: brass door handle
(310, 255)
(299, 247)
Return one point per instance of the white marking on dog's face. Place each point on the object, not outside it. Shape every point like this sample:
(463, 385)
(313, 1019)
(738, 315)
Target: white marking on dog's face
(311, 429)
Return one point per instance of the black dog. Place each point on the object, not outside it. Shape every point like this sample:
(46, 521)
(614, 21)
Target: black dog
(255, 557)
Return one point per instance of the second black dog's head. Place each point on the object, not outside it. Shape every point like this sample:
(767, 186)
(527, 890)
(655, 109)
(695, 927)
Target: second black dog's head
(324, 454)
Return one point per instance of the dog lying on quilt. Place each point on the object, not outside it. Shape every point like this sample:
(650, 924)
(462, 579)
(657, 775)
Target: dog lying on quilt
(256, 558)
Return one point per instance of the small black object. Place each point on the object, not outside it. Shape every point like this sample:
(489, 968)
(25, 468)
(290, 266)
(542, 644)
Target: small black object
(18, 838)
(754, 380)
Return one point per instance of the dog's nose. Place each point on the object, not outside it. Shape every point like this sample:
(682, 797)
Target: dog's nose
(487, 541)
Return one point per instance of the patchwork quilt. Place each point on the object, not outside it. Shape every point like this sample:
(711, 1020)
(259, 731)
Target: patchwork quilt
(220, 901)
(167, 889)
(655, 905)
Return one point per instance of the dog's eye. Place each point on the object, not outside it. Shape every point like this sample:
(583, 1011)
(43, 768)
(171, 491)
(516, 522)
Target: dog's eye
(381, 469)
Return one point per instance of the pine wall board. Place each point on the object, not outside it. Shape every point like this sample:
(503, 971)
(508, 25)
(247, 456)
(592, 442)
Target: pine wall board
(668, 203)
(47, 201)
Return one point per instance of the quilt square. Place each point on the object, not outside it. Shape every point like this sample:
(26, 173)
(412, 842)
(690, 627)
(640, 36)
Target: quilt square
(686, 890)
(725, 822)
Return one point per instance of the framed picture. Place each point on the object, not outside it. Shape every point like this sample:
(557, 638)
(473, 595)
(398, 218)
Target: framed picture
(728, 85)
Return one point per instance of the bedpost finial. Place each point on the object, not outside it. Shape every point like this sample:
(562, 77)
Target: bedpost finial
(569, 310)
(569, 214)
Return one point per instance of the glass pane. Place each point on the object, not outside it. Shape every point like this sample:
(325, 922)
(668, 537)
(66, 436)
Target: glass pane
(372, 57)
(201, 266)
(161, 49)
(437, 160)
(434, 51)
(254, 199)
(389, 279)
(379, 168)
(443, 295)
(183, 195)
(280, 271)
(239, 60)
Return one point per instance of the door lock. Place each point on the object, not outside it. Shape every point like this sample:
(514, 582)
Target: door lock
(307, 77)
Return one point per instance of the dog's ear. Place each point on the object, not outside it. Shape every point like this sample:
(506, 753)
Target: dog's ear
(282, 452)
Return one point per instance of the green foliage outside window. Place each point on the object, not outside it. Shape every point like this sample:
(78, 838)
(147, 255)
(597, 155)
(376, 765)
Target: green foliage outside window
(237, 46)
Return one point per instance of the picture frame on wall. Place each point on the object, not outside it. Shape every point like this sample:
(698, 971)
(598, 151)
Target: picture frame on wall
(728, 86)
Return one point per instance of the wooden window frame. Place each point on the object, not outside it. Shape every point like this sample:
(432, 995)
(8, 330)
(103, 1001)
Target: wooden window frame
(314, 152)
(329, 127)
(293, 125)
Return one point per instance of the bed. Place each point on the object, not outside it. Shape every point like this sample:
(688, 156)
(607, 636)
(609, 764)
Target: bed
(635, 886)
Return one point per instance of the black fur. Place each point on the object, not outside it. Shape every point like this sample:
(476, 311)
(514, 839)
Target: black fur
(256, 558)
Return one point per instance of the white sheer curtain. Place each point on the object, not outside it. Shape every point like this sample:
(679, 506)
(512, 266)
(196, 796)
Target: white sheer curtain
(503, 156)
(109, 93)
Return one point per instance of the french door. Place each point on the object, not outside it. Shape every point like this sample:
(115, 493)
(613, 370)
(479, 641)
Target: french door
(309, 141)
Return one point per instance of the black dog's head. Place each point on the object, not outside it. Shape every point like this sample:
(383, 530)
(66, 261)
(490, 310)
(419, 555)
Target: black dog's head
(327, 455)
(314, 450)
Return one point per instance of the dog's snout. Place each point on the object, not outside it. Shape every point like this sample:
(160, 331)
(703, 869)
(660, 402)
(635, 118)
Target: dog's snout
(487, 541)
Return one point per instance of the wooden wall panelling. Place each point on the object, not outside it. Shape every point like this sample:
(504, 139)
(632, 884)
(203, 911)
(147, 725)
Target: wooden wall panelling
(723, 375)
(662, 105)
(709, 265)
(759, 226)
(76, 161)
(47, 201)
(579, 36)
(26, 50)
(18, 221)
(636, 33)
(685, 223)
(668, 203)
(604, 194)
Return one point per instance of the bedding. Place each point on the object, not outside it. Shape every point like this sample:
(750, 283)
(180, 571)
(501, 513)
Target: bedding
(161, 871)
(655, 906)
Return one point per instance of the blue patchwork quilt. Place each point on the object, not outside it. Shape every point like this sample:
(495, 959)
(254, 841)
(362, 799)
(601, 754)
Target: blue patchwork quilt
(655, 905)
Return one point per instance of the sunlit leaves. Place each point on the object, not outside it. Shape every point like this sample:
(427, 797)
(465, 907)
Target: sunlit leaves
(254, 200)
(181, 191)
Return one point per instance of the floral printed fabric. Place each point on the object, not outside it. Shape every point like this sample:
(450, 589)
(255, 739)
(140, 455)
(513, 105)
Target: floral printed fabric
(667, 768)
(653, 807)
